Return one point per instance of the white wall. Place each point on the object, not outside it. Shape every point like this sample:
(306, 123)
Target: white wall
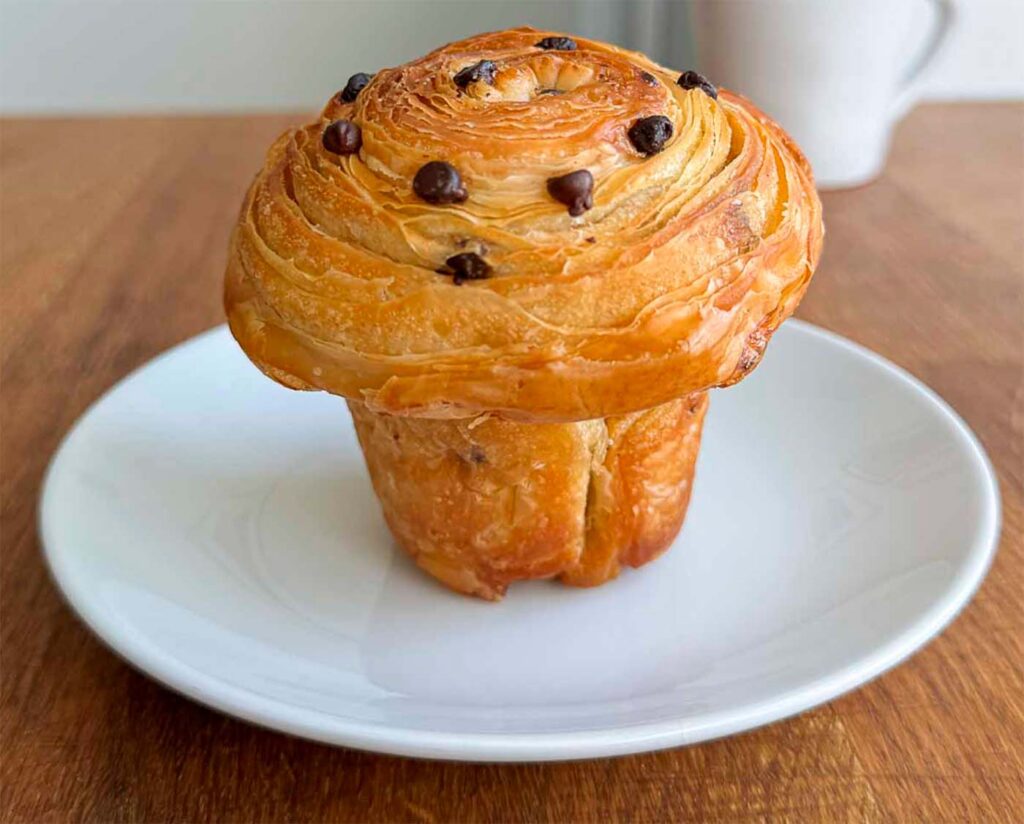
(201, 55)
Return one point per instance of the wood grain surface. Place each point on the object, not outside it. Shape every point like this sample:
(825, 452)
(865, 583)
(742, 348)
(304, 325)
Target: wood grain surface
(113, 242)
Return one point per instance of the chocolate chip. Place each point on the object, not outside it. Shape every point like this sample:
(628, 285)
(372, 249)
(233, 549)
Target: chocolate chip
(343, 137)
(550, 91)
(590, 239)
(650, 134)
(439, 182)
(465, 266)
(649, 78)
(476, 455)
(692, 80)
(356, 83)
(484, 70)
(557, 44)
(575, 190)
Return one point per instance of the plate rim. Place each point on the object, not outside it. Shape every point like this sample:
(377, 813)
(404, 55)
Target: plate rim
(148, 658)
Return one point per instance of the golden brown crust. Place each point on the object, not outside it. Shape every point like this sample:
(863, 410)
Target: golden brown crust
(480, 503)
(671, 284)
(543, 420)
(640, 490)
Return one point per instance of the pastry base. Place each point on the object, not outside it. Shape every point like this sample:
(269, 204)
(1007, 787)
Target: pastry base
(482, 502)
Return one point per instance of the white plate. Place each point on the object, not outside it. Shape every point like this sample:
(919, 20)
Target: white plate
(220, 533)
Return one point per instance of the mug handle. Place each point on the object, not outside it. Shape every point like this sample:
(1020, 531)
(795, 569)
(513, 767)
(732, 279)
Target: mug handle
(911, 83)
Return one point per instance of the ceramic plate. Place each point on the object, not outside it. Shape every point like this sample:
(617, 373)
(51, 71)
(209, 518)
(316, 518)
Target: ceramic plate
(220, 533)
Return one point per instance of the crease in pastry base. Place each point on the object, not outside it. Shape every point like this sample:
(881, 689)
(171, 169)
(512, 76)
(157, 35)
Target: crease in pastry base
(482, 503)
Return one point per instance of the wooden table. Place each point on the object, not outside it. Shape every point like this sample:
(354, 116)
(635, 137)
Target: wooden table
(113, 243)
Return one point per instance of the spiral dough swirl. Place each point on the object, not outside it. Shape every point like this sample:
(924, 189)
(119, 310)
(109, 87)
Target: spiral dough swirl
(670, 283)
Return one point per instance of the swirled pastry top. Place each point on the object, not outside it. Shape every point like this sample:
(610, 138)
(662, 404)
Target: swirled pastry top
(670, 283)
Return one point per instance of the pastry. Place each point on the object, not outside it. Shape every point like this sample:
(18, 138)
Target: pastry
(524, 259)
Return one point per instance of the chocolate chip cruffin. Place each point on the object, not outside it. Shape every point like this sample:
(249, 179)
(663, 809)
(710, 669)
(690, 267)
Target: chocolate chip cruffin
(525, 296)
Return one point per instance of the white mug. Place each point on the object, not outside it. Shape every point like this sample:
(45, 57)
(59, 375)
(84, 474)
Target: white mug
(837, 74)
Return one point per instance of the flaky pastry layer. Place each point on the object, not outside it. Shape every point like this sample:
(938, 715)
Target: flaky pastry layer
(481, 503)
(672, 283)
